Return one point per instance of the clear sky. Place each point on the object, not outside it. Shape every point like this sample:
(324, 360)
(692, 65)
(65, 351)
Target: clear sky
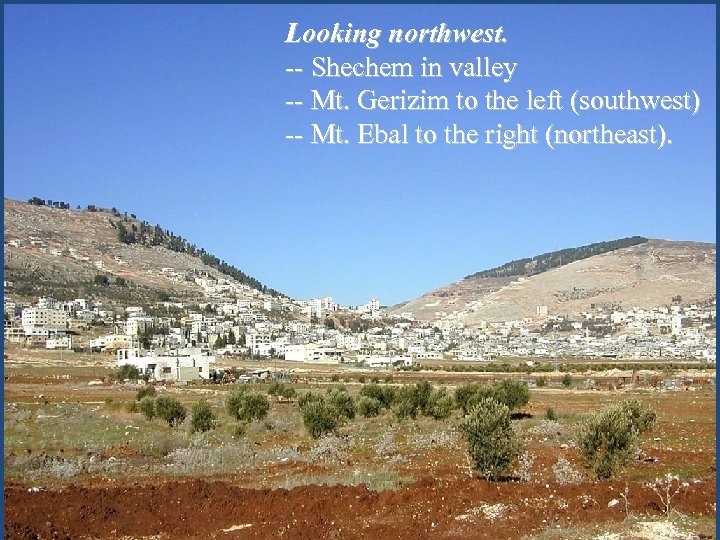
(177, 114)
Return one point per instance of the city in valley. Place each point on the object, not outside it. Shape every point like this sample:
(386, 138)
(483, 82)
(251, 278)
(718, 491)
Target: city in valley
(155, 391)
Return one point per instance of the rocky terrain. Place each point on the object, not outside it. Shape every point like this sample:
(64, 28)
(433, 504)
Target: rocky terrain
(66, 248)
(646, 276)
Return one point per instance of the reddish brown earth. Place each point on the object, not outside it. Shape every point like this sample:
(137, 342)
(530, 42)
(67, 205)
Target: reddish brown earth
(202, 509)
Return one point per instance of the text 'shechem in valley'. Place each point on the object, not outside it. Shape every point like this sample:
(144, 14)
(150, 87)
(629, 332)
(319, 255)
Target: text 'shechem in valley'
(423, 96)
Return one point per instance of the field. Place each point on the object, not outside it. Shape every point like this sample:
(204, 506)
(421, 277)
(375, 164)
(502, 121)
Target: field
(78, 465)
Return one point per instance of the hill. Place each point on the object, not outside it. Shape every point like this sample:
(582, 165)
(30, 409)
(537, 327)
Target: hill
(64, 253)
(645, 274)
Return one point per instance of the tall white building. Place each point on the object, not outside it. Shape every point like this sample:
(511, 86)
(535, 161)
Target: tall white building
(49, 319)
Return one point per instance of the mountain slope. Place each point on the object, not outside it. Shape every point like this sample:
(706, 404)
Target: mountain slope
(646, 275)
(63, 250)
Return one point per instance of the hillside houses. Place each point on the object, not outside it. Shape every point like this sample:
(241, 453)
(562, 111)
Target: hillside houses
(244, 327)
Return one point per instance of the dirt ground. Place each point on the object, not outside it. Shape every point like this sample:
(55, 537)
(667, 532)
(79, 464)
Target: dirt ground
(431, 492)
(429, 508)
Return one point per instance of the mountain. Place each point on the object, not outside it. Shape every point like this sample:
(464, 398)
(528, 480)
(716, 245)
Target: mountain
(53, 250)
(631, 272)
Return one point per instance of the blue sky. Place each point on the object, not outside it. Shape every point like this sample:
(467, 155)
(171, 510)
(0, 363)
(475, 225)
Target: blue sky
(177, 114)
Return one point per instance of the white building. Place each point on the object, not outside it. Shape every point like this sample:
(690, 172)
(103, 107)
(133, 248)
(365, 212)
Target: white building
(312, 353)
(52, 320)
(190, 366)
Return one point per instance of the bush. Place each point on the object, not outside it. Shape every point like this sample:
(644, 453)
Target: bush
(368, 407)
(147, 407)
(609, 440)
(423, 391)
(145, 391)
(319, 417)
(202, 419)
(550, 414)
(440, 405)
(246, 406)
(492, 442)
(288, 393)
(132, 407)
(514, 394)
(170, 409)
(541, 381)
(406, 403)
(342, 401)
(384, 394)
(566, 380)
(125, 372)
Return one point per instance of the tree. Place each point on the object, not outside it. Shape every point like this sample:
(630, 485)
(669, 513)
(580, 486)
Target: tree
(120, 282)
(566, 380)
(99, 279)
(147, 407)
(170, 409)
(125, 372)
(514, 394)
(319, 416)
(246, 406)
(202, 419)
(440, 405)
(609, 440)
(492, 442)
(145, 391)
(368, 407)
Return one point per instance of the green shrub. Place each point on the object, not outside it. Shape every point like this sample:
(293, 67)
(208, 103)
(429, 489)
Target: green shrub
(515, 394)
(246, 405)
(492, 442)
(423, 390)
(566, 380)
(202, 418)
(125, 372)
(308, 397)
(275, 389)
(368, 407)
(170, 409)
(406, 403)
(440, 405)
(361, 379)
(147, 407)
(342, 401)
(335, 377)
(132, 407)
(319, 417)
(384, 394)
(609, 440)
(145, 391)
(240, 429)
(550, 414)
(288, 393)
(541, 381)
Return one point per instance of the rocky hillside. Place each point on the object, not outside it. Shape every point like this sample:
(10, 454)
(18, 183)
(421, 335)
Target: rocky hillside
(648, 274)
(63, 251)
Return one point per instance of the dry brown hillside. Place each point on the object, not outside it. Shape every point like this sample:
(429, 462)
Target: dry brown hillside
(647, 275)
(65, 249)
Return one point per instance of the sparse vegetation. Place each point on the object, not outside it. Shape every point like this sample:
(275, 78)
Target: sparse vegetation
(609, 440)
(246, 405)
(492, 441)
(170, 409)
(126, 372)
(202, 419)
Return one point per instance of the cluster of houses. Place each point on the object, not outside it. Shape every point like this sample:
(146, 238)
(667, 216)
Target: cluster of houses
(184, 346)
